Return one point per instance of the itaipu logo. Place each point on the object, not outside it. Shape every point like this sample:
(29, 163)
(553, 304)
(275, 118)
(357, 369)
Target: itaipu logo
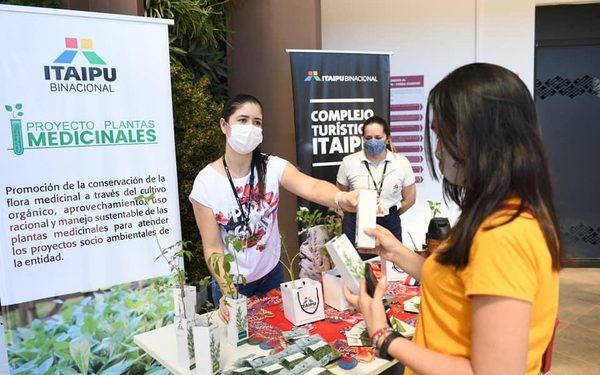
(66, 76)
(308, 302)
(313, 75)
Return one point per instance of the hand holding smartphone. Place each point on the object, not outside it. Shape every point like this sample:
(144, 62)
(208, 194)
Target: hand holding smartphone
(370, 279)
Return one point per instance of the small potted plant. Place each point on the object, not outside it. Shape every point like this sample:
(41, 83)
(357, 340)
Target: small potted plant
(302, 298)
(237, 327)
(315, 230)
(184, 296)
(437, 230)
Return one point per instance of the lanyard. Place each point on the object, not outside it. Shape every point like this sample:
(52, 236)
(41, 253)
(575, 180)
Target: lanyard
(245, 214)
(373, 179)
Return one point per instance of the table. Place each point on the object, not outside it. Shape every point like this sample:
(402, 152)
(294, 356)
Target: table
(160, 344)
(266, 319)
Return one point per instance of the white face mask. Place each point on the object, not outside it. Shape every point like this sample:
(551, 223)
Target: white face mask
(244, 138)
(450, 168)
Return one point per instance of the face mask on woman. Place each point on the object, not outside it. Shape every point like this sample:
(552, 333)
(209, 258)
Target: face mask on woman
(450, 168)
(374, 146)
(244, 138)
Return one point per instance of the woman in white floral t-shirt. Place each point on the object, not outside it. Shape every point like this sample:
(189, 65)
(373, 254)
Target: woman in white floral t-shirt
(238, 194)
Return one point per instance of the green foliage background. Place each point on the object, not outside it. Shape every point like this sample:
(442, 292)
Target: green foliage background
(198, 141)
(94, 333)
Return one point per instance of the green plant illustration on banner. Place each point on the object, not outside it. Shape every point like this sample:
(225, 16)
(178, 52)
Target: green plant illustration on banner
(16, 128)
(92, 333)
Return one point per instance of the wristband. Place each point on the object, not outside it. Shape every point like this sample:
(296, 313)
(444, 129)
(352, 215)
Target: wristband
(379, 334)
(383, 351)
(336, 199)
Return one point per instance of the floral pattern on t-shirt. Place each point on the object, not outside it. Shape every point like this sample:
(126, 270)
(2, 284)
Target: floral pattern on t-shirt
(262, 214)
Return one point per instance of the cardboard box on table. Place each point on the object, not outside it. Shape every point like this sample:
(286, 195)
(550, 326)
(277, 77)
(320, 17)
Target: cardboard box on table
(347, 262)
(366, 217)
(333, 288)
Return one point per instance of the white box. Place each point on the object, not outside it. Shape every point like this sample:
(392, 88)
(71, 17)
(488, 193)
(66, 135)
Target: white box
(207, 348)
(347, 261)
(333, 288)
(392, 272)
(237, 327)
(303, 301)
(184, 342)
(366, 217)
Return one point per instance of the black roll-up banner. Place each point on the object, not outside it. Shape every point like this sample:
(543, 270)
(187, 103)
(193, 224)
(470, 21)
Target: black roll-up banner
(334, 93)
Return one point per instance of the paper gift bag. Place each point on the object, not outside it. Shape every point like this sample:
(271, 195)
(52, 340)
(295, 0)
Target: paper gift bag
(303, 301)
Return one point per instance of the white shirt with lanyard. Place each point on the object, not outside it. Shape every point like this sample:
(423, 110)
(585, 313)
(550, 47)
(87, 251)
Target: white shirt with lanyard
(388, 177)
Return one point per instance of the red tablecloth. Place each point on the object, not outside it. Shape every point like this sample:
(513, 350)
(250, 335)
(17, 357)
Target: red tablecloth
(266, 320)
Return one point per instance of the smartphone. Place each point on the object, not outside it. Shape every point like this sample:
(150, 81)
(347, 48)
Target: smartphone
(370, 279)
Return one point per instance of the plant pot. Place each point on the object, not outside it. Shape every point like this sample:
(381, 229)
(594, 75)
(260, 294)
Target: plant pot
(185, 307)
(184, 342)
(207, 345)
(302, 301)
(314, 260)
(237, 328)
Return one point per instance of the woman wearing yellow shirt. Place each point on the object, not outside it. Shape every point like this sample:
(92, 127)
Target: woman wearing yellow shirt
(489, 295)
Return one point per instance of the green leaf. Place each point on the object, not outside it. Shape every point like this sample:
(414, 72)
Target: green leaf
(119, 368)
(45, 366)
(80, 353)
(8, 108)
(18, 106)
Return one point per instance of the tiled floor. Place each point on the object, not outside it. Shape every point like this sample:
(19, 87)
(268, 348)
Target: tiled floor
(577, 343)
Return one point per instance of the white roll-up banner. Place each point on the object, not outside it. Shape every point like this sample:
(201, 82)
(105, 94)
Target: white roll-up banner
(86, 125)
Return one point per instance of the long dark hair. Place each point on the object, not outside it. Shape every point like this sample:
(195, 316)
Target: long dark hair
(259, 160)
(487, 121)
(386, 129)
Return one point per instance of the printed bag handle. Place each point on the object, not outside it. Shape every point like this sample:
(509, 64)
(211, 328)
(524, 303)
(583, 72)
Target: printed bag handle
(316, 307)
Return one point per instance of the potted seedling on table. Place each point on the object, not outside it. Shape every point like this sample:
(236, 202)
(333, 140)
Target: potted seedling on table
(315, 230)
(173, 255)
(206, 339)
(237, 303)
(302, 298)
(184, 296)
